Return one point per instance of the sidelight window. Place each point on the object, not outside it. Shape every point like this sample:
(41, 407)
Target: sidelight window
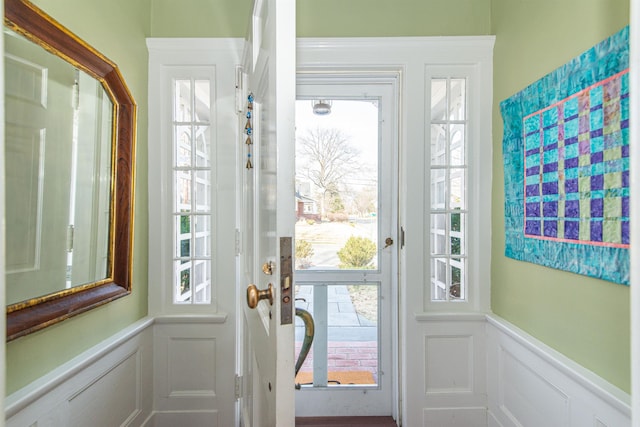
(448, 205)
(192, 224)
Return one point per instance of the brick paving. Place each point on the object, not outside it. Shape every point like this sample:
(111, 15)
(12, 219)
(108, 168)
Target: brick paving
(352, 342)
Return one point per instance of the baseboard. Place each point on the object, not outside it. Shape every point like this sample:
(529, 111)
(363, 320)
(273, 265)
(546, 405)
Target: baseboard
(182, 418)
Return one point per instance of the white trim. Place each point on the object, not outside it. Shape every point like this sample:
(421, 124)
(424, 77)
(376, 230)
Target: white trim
(217, 58)
(407, 57)
(589, 395)
(219, 318)
(449, 317)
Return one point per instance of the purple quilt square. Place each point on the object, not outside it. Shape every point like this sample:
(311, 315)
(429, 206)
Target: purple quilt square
(625, 206)
(596, 231)
(533, 170)
(597, 182)
(551, 228)
(625, 179)
(611, 90)
(571, 163)
(571, 185)
(597, 157)
(584, 147)
(533, 190)
(550, 167)
(550, 209)
(532, 152)
(532, 228)
(572, 209)
(533, 210)
(625, 232)
(571, 230)
(571, 140)
(625, 151)
(549, 188)
(597, 208)
(583, 126)
(624, 124)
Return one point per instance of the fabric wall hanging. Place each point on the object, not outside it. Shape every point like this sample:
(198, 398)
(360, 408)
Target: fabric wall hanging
(566, 165)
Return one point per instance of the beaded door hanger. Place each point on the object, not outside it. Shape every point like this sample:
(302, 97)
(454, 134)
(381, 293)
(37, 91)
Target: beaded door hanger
(248, 129)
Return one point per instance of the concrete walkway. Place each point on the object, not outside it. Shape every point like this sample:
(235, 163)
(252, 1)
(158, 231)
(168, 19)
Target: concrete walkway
(343, 323)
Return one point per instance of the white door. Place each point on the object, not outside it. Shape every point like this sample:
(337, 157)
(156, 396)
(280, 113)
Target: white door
(346, 245)
(268, 212)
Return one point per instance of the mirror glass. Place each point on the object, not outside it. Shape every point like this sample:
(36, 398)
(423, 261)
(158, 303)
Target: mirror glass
(58, 158)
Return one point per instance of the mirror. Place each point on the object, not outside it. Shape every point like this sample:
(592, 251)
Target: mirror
(69, 138)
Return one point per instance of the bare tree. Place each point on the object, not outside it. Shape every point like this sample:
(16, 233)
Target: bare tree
(330, 158)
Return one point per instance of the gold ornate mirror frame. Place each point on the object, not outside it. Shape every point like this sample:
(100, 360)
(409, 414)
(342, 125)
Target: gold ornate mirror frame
(39, 312)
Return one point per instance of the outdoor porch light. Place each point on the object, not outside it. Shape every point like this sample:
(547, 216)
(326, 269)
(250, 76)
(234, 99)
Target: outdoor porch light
(321, 107)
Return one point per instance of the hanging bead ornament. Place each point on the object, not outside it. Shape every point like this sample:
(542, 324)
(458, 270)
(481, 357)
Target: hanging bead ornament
(248, 129)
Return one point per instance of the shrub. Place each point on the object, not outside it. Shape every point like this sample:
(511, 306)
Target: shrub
(337, 216)
(357, 252)
(304, 252)
(303, 249)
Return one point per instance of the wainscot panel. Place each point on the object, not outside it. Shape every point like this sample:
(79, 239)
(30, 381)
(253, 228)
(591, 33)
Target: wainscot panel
(107, 385)
(530, 384)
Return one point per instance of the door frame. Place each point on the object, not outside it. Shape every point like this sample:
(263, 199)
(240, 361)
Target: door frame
(390, 81)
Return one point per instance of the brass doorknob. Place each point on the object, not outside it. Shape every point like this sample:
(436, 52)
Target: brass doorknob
(254, 295)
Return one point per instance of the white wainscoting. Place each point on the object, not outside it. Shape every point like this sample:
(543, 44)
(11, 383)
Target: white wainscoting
(194, 371)
(477, 371)
(163, 372)
(530, 384)
(107, 385)
(450, 388)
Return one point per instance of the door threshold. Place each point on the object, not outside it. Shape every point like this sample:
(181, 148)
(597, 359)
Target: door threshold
(345, 421)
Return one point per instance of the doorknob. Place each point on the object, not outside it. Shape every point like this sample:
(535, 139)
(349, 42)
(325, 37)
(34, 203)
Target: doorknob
(388, 242)
(254, 295)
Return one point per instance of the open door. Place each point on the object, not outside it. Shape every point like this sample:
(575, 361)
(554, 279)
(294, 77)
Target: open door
(268, 209)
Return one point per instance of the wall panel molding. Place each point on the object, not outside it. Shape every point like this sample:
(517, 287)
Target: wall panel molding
(511, 380)
(529, 383)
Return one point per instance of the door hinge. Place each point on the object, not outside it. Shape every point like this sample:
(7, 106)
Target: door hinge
(70, 231)
(401, 237)
(238, 387)
(239, 90)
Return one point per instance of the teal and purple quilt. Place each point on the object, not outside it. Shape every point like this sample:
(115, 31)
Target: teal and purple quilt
(566, 165)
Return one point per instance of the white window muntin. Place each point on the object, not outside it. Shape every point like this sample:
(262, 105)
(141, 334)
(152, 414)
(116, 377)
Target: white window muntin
(192, 189)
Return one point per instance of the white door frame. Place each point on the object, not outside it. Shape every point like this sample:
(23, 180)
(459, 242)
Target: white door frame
(411, 57)
(384, 84)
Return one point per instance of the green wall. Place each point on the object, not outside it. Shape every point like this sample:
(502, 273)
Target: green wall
(364, 18)
(117, 28)
(200, 18)
(588, 320)
(327, 18)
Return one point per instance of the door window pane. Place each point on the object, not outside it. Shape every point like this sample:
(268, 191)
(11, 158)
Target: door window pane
(337, 186)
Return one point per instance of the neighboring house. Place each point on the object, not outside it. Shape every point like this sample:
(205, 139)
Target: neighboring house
(306, 208)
